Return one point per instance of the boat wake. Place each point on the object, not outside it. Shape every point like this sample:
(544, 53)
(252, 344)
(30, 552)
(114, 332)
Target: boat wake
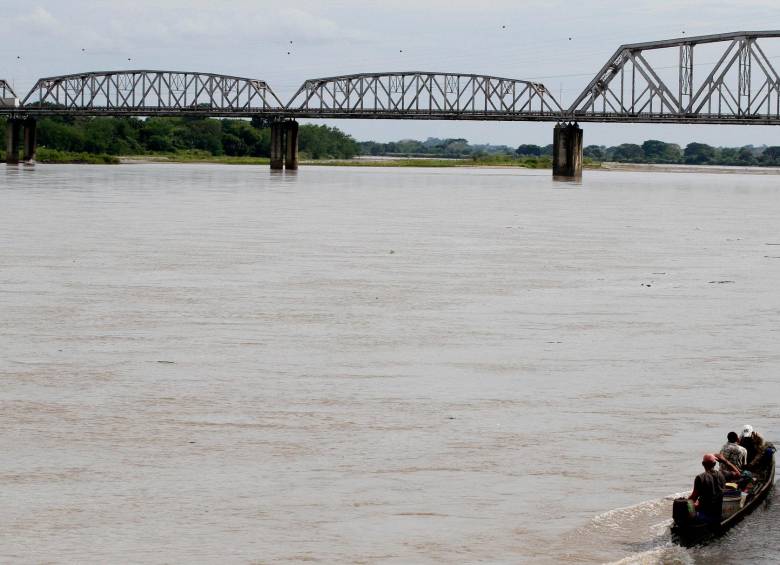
(666, 555)
(619, 517)
(640, 530)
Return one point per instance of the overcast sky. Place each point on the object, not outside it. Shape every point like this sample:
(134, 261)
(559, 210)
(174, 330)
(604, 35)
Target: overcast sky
(252, 38)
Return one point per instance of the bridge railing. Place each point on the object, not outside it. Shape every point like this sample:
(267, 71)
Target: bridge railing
(731, 79)
(151, 92)
(421, 95)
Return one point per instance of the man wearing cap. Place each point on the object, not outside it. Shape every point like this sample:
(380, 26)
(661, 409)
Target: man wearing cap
(708, 491)
(755, 445)
(746, 441)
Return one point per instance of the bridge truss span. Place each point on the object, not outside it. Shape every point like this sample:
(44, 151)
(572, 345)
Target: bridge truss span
(421, 95)
(147, 93)
(6, 91)
(723, 78)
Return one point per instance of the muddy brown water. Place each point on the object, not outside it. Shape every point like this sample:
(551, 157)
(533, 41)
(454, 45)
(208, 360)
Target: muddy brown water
(213, 364)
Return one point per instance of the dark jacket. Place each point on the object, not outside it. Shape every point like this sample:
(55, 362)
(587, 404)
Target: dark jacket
(708, 490)
(756, 446)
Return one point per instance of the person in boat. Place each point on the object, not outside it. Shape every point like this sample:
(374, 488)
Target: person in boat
(756, 448)
(734, 452)
(727, 468)
(746, 441)
(707, 492)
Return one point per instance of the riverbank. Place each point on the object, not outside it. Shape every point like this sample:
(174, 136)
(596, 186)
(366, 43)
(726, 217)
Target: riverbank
(362, 161)
(50, 156)
(718, 169)
(191, 158)
(53, 156)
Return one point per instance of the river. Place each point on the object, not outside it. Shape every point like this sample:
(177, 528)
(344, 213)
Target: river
(213, 364)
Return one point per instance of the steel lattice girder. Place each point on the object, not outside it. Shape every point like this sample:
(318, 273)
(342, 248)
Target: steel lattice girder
(420, 94)
(742, 87)
(6, 91)
(145, 92)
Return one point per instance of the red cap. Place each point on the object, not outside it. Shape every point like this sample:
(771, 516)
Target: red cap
(709, 458)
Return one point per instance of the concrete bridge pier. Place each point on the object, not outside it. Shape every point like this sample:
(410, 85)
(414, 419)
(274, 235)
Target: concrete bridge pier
(284, 146)
(30, 140)
(13, 128)
(277, 146)
(291, 154)
(567, 152)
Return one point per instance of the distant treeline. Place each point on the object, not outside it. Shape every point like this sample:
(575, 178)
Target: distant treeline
(654, 151)
(435, 147)
(651, 151)
(134, 136)
(245, 138)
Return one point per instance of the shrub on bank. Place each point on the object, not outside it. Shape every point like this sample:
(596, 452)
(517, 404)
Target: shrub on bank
(46, 155)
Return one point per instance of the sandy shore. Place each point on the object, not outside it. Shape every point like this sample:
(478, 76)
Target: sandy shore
(719, 169)
(367, 161)
(144, 160)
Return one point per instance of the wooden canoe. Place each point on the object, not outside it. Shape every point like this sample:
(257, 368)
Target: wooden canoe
(699, 533)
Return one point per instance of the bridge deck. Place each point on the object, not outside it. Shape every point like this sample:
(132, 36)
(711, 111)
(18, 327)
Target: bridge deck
(280, 114)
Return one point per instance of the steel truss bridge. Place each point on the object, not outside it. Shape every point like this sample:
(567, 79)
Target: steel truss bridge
(656, 82)
(406, 95)
(741, 87)
(149, 93)
(711, 79)
(418, 95)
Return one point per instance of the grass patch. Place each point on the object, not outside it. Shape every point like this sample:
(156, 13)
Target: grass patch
(198, 157)
(494, 161)
(45, 155)
(388, 163)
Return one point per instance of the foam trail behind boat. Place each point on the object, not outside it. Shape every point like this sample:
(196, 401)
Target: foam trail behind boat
(666, 555)
(640, 530)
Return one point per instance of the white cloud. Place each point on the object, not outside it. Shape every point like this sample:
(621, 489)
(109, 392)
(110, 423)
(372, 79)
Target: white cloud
(40, 18)
(240, 20)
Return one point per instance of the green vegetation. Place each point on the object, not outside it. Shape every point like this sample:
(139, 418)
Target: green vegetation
(526, 161)
(435, 147)
(401, 162)
(55, 156)
(179, 139)
(232, 141)
(195, 156)
(654, 151)
(435, 152)
(488, 161)
(651, 151)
